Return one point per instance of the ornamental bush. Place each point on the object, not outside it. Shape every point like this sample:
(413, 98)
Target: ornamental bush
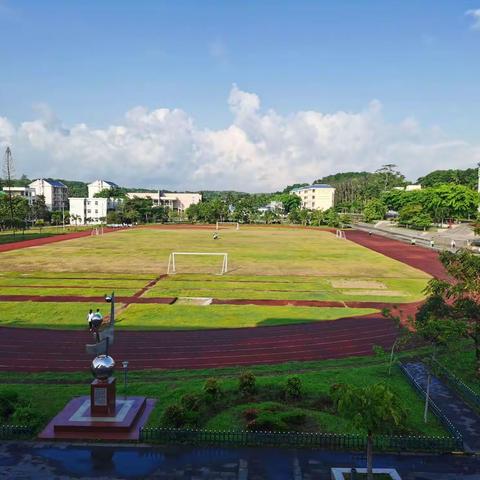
(174, 416)
(293, 388)
(247, 384)
(212, 389)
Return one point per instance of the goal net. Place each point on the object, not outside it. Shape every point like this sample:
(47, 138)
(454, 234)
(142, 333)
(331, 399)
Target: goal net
(234, 225)
(340, 234)
(197, 262)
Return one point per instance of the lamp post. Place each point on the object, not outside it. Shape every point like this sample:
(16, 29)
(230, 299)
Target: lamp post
(111, 300)
(125, 372)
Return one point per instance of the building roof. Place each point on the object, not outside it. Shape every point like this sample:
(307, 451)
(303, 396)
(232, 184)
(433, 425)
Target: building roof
(53, 183)
(316, 185)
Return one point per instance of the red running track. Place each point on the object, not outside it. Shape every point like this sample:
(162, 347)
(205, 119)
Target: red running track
(418, 257)
(34, 350)
(36, 242)
(37, 350)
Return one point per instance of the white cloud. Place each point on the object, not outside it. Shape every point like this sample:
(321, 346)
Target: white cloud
(475, 14)
(259, 151)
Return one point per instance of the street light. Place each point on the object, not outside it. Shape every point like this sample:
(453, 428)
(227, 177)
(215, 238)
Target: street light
(125, 371)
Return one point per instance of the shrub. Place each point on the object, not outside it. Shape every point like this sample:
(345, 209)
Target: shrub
(267, 421)
(212, 389)
(323, 402)
(191, 401)
(25, 415)
(174, 416)
(293, 388)
(8, 399)
(247, 384)
(250, 414)
(294, 419)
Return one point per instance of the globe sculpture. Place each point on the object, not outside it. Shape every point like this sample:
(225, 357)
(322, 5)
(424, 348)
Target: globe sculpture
(102, 367)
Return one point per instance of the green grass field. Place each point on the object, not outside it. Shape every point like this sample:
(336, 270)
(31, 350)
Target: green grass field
(264, 263)
(167, 387)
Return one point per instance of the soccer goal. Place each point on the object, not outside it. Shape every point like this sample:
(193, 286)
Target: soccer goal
(172, 261)
(340, 234)
(234, 225)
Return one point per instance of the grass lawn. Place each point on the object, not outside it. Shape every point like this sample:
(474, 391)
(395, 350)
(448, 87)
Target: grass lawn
(34, 233)
(47, 315)
(265, 263)
(169, 386)
(187, 317)
(168, 317)
(460, 359)
(252, 251)
(393, 290)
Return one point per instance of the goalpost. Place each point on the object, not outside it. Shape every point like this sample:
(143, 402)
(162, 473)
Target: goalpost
(171, 269)
(340, 234)
(236, 225)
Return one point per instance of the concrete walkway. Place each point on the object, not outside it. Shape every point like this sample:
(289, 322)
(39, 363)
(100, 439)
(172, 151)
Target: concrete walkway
(463, 418)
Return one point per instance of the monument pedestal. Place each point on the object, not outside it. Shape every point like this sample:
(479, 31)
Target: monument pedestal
(75, 421)
(103, 397)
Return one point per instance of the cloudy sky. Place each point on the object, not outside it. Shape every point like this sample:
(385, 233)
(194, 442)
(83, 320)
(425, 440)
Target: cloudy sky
(247, 95)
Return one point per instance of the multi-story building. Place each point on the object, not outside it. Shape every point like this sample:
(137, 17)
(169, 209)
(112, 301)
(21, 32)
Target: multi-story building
(98, 185)
(91, 210)
(25, 192)
(54, 191)
(178, 202)
(316, 197)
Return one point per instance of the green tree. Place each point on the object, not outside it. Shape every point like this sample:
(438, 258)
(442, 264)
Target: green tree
(114, 192)
(452, 308)
(39, 209)
(289, 201)
(374, 408)
(374, 210)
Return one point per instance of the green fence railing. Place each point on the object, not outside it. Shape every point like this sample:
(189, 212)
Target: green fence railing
(299, 439)
(458, 385)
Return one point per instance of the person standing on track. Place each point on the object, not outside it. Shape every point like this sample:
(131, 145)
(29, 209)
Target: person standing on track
(89, 319)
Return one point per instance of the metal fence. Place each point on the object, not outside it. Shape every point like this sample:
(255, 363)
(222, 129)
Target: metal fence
(458, 385)
(13, 432)
(298, 439)
(456, 435)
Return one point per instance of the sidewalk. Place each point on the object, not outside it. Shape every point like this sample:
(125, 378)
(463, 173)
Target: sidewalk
(462, 417)
(442, 239)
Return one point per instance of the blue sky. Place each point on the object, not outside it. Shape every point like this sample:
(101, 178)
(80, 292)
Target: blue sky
(91, 62)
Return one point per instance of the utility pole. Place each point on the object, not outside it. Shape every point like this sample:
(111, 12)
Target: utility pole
(8, 172)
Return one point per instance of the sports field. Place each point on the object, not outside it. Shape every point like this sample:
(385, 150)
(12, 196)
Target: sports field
(54, 285)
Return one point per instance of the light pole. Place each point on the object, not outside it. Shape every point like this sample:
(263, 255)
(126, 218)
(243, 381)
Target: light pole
(125, 372)
(111, 300)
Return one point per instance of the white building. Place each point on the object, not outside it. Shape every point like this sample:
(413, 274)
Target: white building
(98, 185)
(91, 210)
(316, 197)
(54, 191)
(409, 188)
(25, 192)
(178, 202)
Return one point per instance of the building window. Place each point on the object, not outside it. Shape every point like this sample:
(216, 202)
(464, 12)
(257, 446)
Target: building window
(96, 202)
(89, 211)
(96, 211)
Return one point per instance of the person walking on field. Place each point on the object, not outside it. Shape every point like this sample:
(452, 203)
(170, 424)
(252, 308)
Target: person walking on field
(89, 319)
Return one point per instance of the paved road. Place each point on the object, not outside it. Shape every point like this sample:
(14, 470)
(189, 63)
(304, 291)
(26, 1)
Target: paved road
(464, 419)
(42, 461)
